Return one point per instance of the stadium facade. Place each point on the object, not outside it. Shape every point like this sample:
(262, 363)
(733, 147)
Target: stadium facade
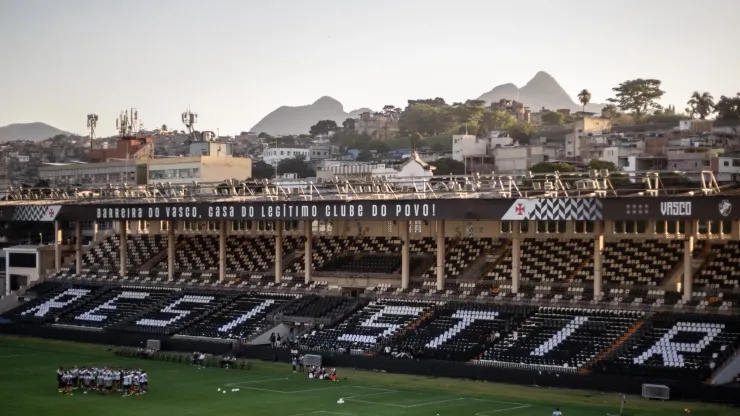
(579, 282)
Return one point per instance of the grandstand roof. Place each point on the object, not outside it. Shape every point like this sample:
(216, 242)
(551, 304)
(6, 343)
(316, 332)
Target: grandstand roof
(592, 184)
(585, 196)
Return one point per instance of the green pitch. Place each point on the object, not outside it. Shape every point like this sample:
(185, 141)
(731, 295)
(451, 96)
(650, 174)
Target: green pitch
(28, 388)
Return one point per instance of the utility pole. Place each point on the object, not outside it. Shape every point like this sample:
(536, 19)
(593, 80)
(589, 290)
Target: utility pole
(92, 123)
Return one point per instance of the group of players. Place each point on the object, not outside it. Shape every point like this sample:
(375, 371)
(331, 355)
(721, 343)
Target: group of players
(104, 380)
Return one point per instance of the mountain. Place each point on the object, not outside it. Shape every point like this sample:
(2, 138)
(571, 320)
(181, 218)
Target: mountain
(28, 131)
(298, 120)
(541, 91)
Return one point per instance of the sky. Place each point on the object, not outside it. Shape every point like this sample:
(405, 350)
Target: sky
(234, 61)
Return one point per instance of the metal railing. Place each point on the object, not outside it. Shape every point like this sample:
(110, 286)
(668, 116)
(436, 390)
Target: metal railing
(591, 183)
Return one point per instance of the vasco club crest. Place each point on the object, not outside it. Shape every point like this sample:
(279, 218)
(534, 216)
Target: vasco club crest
(725, 207)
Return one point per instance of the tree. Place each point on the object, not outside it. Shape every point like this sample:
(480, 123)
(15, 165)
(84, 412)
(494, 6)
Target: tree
(638, 96)
(364, 156)
(469, 114)
(296, 165)
(553, 117)
(438, 147)
(390, 110)
(497, 120)
(597, 164)
(263, 135)
(349, 124)
(427, 119)
(448, 166)
(434, 102)
(551, 167)
(378, 145)
(262, 170)
(584, 97)
(521, 132)
(323, 127)
(610, 111)
(416, 139)
(701, 104)
(164, 127)
(728, 108)
(615, 176)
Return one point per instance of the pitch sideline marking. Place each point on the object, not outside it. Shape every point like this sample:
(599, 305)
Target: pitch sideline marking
(524, 406)
(379, 392)
(237, 384)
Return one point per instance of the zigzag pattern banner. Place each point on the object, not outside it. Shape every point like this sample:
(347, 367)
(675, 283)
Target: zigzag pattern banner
(567, 209)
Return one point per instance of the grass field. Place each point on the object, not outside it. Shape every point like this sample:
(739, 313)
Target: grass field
(28, 388)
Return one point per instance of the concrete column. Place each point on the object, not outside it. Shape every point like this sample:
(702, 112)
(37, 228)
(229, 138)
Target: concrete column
(278, 251)
(171, 250)
(516, 259)
(57, 246)
(308, 255)
(404, 254)
(7, 274)
(441, 255)
(688, 260)
(122, 244)
(598, 257)
(222, 250)
(78, 248)
(95, 232)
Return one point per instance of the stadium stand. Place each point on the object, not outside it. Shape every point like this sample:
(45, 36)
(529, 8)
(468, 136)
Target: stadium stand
(369, 327)
(139, 249)
(459, 254)
(115, 305)
(634, 262)
(243, 254)
(561, 339)
(314, 306)
(548, 260)
(178, 312)
(459, 330)
(677, 346)
(243, 318)
(52, 301)
(722, 271)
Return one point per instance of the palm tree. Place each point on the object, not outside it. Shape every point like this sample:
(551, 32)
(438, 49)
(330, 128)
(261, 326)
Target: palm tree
(584, 97)
(701, 104)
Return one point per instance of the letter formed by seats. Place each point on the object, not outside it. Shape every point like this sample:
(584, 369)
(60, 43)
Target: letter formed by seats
(559, 336)
(466, 319)
(671, 351)
(110, 305)
(179, 313)
(246, 316)
(57, 302)
(385, 328)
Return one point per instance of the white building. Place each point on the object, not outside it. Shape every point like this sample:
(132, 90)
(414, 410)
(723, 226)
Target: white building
(516, 159)
(208, 162)
(274, 155)
(320, 152)
(464, 145)
(413, 173)
(726, 167)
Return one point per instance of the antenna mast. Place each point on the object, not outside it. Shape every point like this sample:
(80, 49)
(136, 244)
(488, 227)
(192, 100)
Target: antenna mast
(127, 123)
(92, 123)
(189, 119)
